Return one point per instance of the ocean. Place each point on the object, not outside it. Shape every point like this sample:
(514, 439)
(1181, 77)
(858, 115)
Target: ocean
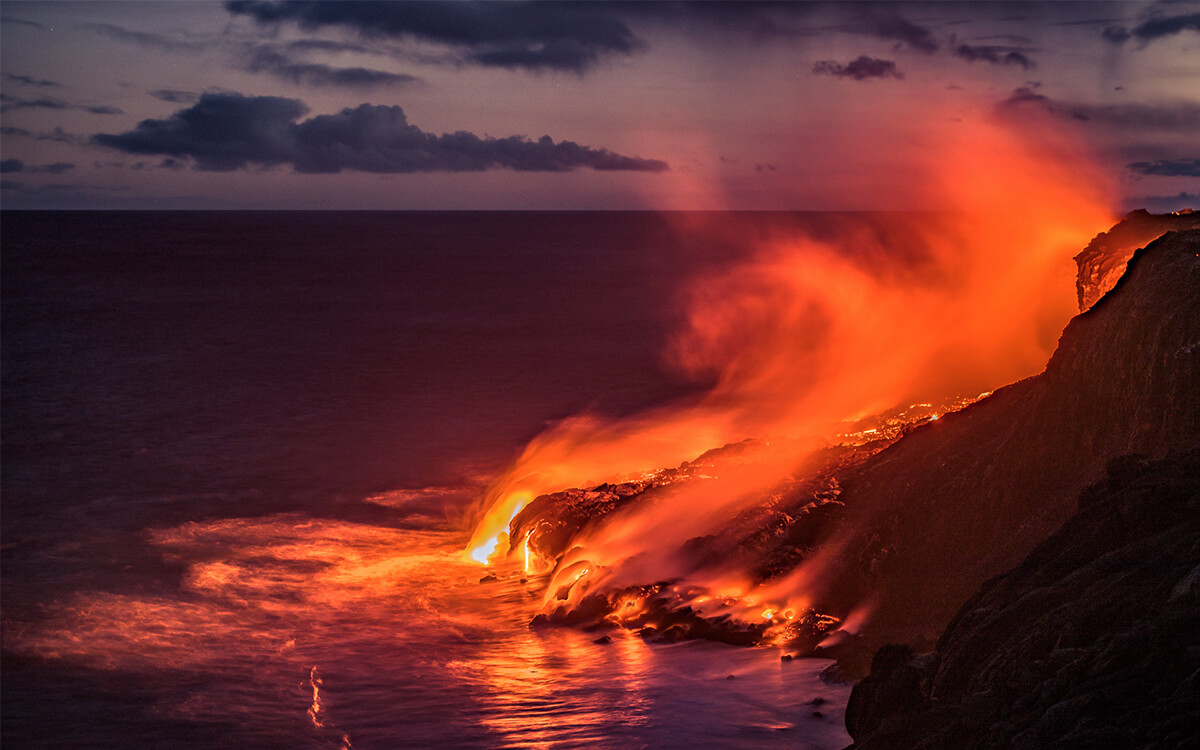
(240, 451)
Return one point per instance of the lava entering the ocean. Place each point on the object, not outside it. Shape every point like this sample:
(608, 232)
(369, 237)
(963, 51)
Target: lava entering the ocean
(814, 344)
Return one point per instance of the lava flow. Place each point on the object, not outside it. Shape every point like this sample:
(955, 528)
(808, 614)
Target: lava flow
(805, 341)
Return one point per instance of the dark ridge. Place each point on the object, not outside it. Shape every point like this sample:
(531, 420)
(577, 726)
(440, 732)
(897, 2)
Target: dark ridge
(1088, 643)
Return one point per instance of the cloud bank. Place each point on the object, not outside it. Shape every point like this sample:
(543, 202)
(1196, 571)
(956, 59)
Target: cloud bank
(1167, 167)
(530, 35)
(8, 103)
(860, 69)
(264, 59)
(10, 166)
(229, 131)
(892, 27)
(994, 54)
(1154, 28)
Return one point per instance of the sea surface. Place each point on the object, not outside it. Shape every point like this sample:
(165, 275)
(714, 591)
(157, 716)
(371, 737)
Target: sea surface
(239, 454)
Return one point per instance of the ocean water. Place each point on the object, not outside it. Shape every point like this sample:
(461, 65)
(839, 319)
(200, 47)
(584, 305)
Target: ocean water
(239, 448)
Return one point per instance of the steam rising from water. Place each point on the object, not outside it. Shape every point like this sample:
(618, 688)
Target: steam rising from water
(811, 331)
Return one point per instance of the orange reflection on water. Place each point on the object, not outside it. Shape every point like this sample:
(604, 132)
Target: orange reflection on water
(542, 692)
(259, 601)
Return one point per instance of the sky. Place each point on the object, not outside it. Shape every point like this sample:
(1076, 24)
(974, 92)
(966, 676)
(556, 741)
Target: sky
(578, 105)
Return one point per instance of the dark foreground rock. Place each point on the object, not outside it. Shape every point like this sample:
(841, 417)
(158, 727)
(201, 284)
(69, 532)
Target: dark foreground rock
(1092, 642)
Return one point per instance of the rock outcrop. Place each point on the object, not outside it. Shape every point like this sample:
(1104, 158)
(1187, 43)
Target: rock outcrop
(1103, 261)
(1091, 642)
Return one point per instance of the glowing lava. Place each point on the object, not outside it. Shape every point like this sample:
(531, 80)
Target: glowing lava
(812, 333)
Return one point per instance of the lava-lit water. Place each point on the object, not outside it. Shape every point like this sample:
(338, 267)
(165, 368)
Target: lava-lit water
(209, 425)
(290, 631)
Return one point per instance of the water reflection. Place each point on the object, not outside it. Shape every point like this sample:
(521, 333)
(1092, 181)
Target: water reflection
(310, 632)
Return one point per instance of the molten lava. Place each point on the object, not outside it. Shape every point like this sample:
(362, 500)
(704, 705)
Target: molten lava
(819, 338)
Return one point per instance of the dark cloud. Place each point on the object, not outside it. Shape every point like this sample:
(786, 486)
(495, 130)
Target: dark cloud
(264, 59)
(994, 54)
(10, 185)
(764, 167)
(1023, 95)
(1165, 203)
(1116, 34)
(9, 166)
(531, 35)
(221, 132)
(58, 135)
(1010, 38)
(893, 27)
(325, 45)
(860, 69)
(30, 81)
(174, 43)
(1174, 117)
(274, 60)
(57, 167)
(175, 96)
(13, 102)
(1154, 28)
(230, 131)
(1167, 167)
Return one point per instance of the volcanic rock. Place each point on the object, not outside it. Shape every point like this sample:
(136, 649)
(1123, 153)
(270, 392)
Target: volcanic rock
(1103, 261)
(1090, 642)
(892, 689)
(965, 498)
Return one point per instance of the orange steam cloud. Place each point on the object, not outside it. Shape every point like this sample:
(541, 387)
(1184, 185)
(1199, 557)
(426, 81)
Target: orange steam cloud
(810, 332)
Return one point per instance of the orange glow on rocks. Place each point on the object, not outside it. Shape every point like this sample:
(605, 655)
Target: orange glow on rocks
(811, 332)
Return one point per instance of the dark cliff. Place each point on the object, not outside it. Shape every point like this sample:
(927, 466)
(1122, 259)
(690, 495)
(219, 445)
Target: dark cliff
(967, 497)
(1091, 642)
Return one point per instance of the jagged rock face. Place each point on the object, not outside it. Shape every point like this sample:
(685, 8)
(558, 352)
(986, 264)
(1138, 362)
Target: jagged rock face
(962, 499)
(1103, 261)
(1090, 642)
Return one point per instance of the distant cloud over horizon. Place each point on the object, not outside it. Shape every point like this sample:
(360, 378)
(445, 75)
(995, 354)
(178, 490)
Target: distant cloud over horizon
(175, 96)
(893, 27)
(860, 69)
(994, 54)
(516, 34)
(31, 81)
(8, 103)
(1167, 167)
(1153, 29)
(224, 132)
(13, 166)
(266, 59)
(1172, 116)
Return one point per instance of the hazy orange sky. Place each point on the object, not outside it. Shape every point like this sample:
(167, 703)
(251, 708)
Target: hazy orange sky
(308, 105)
